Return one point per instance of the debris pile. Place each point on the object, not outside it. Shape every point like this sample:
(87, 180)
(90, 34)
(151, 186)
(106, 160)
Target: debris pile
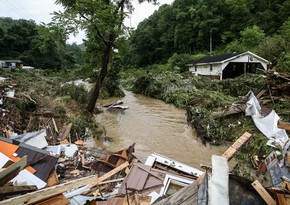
(279, 84)
(48, 166)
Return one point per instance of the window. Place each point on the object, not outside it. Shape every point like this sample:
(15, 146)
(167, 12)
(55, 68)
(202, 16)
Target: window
(210, 67)
(195, 68)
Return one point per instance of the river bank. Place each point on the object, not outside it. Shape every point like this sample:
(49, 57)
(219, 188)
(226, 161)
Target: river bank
(202, 97)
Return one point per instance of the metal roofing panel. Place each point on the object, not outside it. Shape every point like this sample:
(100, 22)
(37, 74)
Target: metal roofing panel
(9, 149)
(216, 58)
(42, 163)
(139, 178)
(111, 201)
(39, 159)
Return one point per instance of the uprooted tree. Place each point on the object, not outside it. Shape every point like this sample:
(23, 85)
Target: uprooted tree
(103, 22)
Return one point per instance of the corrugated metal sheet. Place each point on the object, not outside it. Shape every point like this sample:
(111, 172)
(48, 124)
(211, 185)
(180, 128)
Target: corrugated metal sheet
(39, 159)
(42, 163)
(9, 149)
(141, 178)
(111, 201)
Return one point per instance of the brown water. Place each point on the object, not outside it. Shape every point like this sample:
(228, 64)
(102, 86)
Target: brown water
(155, 127)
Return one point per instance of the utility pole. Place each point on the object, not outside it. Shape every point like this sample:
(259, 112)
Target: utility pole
(210, 41)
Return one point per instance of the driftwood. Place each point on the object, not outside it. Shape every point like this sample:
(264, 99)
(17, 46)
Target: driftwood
(234, 109)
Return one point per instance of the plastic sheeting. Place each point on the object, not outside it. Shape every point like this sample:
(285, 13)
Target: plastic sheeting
(268, 124)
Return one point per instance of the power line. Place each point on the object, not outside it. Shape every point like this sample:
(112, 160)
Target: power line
(15, 10)
(23, 9)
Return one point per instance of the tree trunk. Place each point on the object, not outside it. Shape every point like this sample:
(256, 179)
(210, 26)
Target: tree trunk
(100, 78)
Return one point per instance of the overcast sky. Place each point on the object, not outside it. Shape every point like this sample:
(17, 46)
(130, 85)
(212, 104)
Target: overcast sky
(40, 11)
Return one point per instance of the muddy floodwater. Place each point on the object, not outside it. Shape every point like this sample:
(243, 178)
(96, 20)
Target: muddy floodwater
(155, 127)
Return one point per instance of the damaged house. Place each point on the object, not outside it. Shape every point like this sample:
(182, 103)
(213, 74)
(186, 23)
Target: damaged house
(229, 65)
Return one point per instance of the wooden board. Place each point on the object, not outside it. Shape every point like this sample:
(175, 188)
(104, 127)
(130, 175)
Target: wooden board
(47, 193)
(232, 150)
(283, 199)
(5, 173)
(263, 193)
(283, 125)
(109, 174)
(10, 190)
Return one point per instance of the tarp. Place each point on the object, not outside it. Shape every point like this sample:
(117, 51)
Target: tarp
(268, 124)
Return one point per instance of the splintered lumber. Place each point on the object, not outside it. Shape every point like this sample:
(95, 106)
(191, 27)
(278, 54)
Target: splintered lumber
(263, 193)
(283, 199)
(109, 174)
(86, 189)
(6, 174)
(47, 193)
(283, 125)
(232, 150)
(12, 190)
(64, 132)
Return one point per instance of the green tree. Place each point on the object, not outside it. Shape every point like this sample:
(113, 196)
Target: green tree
(103, 22)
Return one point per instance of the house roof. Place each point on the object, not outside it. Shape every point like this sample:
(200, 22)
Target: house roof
(216, 58)
(212, 59)
(39, 159)
(12, 61)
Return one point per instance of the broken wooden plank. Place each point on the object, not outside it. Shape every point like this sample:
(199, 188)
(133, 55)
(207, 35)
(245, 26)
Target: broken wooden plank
(56, 200)
(11, 190)
(283, 125)
(109, 174)
(64, 132)
(15, 168)
(234, 148)
(283, 199)
(54, 124)
(263, 193)
(43, 194)
(87, 188)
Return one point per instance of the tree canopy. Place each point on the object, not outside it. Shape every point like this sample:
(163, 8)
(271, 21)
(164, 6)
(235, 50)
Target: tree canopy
(41, 46)
(194, 26)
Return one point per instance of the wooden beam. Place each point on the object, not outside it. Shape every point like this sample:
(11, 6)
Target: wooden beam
(263, 193)
(43, 194)
(11, 190)
(283, 125)
(109, 174)
(232, 150)
(6, 174)
(88, 188)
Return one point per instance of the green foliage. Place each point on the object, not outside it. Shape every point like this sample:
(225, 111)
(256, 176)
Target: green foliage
(251, 37)
(76, 92)
(187, 27)
(40, 46)
(81, 125)
(178, 61)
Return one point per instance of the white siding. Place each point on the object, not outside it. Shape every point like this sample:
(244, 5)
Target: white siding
(205, 70)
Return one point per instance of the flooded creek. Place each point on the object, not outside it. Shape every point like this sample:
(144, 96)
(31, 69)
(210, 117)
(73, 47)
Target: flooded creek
(155, 127)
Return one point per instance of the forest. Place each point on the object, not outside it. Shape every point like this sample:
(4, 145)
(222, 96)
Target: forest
(41, 46)
(213, 27)
(182, 31)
